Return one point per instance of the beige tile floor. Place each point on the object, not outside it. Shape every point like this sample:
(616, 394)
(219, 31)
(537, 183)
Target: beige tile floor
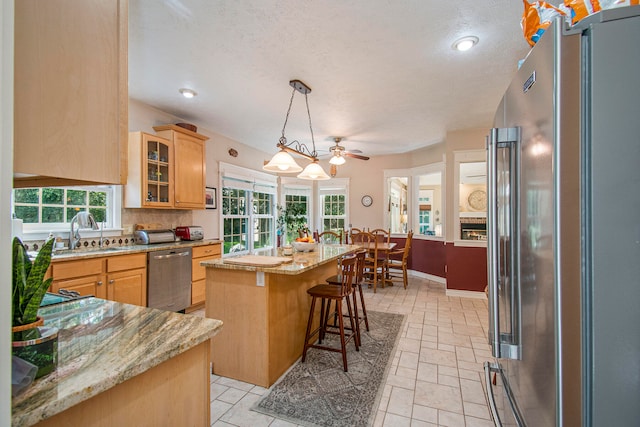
(436, 373)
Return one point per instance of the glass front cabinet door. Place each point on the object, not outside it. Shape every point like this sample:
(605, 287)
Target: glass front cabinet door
(150, 180)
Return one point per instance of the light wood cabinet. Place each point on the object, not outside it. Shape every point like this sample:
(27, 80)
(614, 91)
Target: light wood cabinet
(71, 103)
(199, 273)
(151, 168)
(121, 278)
(127, 279)
(189, 166)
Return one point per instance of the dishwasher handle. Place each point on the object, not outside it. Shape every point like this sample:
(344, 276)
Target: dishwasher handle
(172, 255)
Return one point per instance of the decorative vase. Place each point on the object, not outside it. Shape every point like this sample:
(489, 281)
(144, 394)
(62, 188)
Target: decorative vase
(36, 344)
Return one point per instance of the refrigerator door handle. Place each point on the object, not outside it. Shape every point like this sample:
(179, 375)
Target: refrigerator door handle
(502, 268)
(492, 243)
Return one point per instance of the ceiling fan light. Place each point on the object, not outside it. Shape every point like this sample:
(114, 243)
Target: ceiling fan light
(314, 172)
(337, 159)
(282, 162)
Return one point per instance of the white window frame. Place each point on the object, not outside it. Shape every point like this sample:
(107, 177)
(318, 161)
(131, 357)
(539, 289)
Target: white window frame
(232, 176)
(413, 190)
(464, 156)
(111, 229)
(338, 186)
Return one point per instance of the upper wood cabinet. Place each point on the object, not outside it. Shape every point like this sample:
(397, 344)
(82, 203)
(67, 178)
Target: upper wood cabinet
(151, 167)
(189, 166)
(70, 99)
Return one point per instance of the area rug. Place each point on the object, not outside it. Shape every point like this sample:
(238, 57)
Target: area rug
(319, 392)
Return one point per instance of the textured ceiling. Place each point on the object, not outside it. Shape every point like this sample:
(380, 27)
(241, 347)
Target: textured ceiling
(383, 73)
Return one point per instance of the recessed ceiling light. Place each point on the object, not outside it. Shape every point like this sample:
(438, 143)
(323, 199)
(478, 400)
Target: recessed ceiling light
(465, 43)
(187, 93)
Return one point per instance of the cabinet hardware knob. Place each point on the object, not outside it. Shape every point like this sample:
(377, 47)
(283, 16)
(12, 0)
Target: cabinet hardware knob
(112, 281)
(99, 283)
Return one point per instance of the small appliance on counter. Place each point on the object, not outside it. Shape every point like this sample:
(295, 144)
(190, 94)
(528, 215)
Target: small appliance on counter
(150, 237)
(190, 232)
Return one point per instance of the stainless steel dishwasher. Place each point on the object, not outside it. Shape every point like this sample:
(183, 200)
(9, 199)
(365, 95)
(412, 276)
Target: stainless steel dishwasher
(169, 279)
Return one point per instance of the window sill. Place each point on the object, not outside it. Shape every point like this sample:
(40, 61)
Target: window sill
(28, 236)
(471, 243)
(425, 237)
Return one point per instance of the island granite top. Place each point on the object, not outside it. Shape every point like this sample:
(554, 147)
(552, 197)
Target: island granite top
(102, 344)
(301, 261)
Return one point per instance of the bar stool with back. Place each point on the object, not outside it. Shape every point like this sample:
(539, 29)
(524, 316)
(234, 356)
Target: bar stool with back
(327, 293)
(357, 284)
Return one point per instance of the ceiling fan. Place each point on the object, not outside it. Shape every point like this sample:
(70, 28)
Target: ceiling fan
(339, 153)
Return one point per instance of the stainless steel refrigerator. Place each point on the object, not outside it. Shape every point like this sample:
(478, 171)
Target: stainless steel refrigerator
(564, 230)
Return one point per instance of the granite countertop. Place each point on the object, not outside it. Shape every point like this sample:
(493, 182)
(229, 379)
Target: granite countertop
(302, 261)
(102, 344)
(86, 253)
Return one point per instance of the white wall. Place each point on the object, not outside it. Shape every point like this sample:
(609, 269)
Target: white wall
(6, 178)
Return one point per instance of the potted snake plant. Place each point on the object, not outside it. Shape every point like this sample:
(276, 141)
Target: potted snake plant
(32, 341)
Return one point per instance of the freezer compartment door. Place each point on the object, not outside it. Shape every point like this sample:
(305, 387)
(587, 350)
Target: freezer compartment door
(504, 296)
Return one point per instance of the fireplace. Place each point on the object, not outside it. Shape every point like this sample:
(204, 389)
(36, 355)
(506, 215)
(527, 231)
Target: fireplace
(473, 228)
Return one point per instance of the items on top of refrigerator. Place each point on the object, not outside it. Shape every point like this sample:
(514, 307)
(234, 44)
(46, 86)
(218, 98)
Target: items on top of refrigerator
(536, 18)
(538, 15)
(579, 9)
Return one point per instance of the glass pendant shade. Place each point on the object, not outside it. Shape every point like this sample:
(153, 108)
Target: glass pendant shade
(282, 162)
(314, 172)
(337, 160)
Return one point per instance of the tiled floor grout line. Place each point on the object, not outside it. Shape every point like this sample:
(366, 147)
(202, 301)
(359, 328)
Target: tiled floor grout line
(444, 388)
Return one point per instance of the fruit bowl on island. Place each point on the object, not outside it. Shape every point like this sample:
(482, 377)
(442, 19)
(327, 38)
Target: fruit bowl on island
(304, 246)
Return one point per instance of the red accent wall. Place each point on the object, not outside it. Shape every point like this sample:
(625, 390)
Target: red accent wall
(467, 268)
(427, 256)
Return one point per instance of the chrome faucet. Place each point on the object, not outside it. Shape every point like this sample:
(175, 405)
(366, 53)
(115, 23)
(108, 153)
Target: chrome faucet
(84, 220)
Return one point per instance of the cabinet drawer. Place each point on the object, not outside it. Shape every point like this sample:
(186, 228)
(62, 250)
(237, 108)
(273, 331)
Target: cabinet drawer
(206, 251)
(126, 262)
(78, 268)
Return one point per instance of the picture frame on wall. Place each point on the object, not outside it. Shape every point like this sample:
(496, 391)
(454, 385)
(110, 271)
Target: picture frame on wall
(211, 199)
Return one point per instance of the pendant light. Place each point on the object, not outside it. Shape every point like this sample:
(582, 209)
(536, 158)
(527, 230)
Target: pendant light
(282, 161)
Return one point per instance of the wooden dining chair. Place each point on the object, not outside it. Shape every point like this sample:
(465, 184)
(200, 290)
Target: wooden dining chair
(382, 236)
(339, 294)
(328, 237)
(393, 263)
(373, 264)
(355, 235)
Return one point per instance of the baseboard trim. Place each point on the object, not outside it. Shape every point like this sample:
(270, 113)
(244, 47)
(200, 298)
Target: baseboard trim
(465, 294)
(427, 276)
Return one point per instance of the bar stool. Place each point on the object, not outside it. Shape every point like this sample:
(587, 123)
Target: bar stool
(357, 285)
(328, 293)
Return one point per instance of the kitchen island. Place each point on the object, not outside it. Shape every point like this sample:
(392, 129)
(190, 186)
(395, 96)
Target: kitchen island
(121, 364)
(265, 312)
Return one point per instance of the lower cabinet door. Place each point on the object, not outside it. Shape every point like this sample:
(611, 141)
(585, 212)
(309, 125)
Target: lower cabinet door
(94, 285)
(198, 288)
(128, 286)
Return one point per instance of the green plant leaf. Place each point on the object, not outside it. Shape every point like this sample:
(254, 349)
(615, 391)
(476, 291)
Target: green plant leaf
(19, 279)
(28, 284)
